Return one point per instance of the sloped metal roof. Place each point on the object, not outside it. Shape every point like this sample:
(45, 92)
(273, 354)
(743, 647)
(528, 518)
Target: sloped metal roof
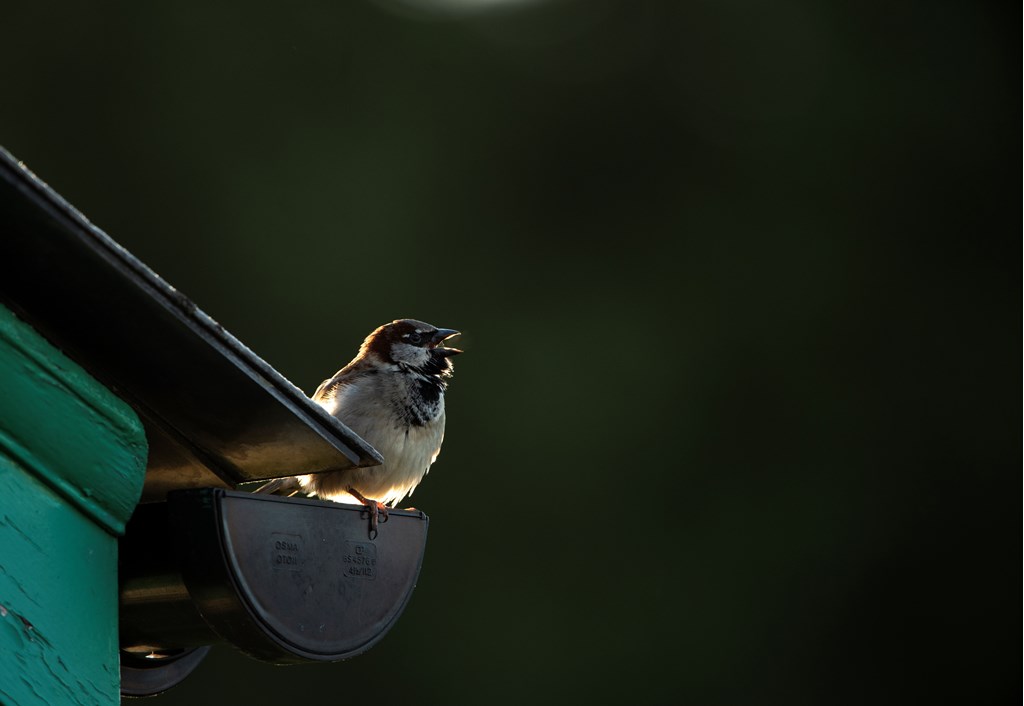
(216, 414)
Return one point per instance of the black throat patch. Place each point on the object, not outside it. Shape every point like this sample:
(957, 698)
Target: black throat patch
(424, 403)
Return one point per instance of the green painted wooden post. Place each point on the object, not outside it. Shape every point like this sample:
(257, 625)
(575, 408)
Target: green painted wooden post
(72, 464)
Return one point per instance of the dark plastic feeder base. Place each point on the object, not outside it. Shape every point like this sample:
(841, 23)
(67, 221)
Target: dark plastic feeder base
(152, 674)
(284, 580)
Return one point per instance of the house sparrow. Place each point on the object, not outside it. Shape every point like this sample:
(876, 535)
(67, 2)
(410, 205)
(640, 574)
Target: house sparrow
(392, 395)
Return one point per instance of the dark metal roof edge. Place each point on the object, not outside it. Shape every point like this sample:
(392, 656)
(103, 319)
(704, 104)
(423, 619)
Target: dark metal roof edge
(328, 426)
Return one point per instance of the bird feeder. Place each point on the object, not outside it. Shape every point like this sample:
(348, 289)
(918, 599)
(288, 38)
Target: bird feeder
(285, 580)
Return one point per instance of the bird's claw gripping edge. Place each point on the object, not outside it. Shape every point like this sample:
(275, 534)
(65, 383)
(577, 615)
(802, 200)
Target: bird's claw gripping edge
(377, 510)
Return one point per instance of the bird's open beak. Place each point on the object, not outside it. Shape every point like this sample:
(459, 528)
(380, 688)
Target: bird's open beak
(442, 335)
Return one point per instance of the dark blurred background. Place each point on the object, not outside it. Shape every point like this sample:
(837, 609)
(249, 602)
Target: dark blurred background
(738, 419)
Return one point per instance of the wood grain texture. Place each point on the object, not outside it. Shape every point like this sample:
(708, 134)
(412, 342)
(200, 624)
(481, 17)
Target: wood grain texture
(58, 598)
(72, 462)
(68, 429)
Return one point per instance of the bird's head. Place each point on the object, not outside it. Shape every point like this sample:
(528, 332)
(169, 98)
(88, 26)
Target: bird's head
(412, 344)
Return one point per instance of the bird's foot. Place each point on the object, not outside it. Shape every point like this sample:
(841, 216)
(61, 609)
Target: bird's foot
(377, 510)
(378, 513)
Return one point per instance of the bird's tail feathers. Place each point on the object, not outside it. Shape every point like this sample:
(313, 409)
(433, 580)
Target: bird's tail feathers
(288, 485)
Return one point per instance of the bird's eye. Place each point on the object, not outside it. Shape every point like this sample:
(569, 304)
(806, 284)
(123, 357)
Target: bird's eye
(414, 338)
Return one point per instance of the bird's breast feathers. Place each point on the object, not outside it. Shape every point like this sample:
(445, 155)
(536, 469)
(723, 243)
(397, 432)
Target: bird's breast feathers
(402, 416)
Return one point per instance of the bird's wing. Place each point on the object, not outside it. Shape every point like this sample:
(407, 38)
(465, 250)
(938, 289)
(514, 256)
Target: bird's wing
(345, 376)
(321, 391)
(328, 387)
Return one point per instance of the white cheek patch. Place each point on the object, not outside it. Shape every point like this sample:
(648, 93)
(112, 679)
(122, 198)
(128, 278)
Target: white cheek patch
(413, 355)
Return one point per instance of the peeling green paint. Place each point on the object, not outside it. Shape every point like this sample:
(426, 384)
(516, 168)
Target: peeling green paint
(72, 463)
(67, 428)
